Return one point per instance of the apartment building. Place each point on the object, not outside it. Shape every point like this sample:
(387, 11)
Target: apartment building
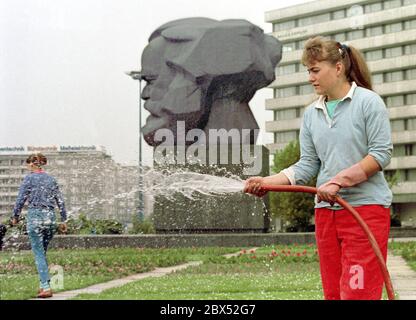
(385, 31)
(90, 180)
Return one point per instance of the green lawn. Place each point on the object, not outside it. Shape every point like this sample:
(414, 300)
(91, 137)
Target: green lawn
(282, 272)
(273, 272)
(84, 267)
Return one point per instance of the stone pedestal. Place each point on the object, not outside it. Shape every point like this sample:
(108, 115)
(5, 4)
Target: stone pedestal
(236, 212)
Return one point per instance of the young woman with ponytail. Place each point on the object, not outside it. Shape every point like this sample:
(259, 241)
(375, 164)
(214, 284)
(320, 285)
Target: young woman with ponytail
(345, 139)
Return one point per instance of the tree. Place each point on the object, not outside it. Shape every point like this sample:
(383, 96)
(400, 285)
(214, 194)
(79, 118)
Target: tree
(295, 209)
(393, 178)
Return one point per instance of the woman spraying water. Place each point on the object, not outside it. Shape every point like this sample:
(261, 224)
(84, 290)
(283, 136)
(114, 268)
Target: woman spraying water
(345, 139)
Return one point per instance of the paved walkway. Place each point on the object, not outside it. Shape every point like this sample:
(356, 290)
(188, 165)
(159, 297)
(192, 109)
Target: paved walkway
(98, 288)
(402, 276)
(402, 239)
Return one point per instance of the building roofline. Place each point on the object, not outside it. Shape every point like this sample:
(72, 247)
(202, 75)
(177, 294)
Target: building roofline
(308, 9)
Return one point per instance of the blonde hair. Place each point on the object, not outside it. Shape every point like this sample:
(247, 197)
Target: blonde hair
(319, 49)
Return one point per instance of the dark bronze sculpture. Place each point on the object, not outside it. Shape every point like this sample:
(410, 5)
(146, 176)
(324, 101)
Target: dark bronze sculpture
(203, 72)
(201, 75)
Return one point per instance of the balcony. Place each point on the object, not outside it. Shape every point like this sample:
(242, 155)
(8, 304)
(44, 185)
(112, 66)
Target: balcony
(328, 27)
(404, 192)
(402, 112)
(391, 88)
(364, 44)
(408, 162)
(384, 65)
(384, 89)
(307, 8)
(289, 102)
(401, 137)
(283, 125)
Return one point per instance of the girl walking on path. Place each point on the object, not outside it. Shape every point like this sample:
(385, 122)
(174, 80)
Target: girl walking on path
(42, 193)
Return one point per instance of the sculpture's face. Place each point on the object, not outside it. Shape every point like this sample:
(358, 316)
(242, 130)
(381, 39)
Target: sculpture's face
(170, 94)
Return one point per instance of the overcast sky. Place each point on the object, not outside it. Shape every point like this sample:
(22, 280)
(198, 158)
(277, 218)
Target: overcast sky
(62, 65)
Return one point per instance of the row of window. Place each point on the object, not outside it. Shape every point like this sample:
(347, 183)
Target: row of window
(370, 55)
(393, 76)
(4, 208)
(10, 181)
(374, 31)
(403, 125)
(390, 101)
(7, 198)
(403, 175)
(400, 100)
(59, 162)
(288, 114)
(392, 52)
(397, 125)
(358, 34)
(14, 162)
(403, 150)
(293, 91)
(286, 136)
(14, 171)
(79, 200)
(341, 14)
(399, 150)
(5, 188)
(22, 162)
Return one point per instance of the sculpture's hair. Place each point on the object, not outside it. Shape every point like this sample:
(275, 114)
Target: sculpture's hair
(319, 49)
(198, 61)
(252, 54)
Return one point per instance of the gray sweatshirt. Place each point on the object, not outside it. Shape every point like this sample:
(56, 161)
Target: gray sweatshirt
(360, 126)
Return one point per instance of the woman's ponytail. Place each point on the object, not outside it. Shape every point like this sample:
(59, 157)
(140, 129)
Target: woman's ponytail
(358, 70)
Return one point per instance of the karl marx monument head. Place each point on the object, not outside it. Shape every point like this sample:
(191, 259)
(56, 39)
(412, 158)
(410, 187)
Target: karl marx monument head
(204, 72)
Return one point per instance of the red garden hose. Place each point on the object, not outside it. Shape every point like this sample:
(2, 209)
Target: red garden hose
(364, 226)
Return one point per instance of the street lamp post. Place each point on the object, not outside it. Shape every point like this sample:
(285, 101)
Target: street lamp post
(137, 75)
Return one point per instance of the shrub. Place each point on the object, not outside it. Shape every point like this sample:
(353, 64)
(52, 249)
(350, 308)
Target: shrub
(142, 227)
(83, 225)
(108, 226)
(392, 180)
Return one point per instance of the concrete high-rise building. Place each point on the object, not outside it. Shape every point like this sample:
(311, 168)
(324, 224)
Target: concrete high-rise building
(385, 31)
(91, 182)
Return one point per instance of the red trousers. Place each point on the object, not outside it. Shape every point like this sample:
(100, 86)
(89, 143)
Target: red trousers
(348, 264)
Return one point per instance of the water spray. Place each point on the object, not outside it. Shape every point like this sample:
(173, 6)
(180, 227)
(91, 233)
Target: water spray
(356, 215)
